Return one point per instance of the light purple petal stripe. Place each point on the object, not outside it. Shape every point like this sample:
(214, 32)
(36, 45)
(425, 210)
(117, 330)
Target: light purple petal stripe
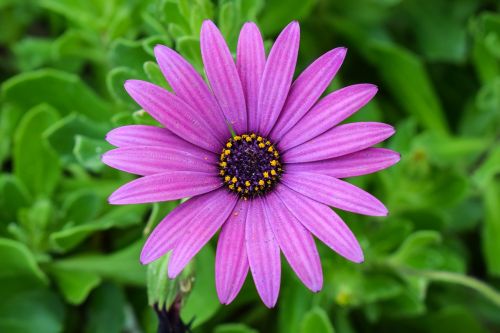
(277, 78)
(296, 243)
(171, 228)
(223, 76)
(149, 160)
(173, 113)
(144, 135)
(250, 61)
(263, 253)
(231, 261)
(307, 89)
(189, 85)
(329, 112)
(165, 187)
(323, 222)
(334, 192)
(201, 229)
(338, 141)
(360, 163)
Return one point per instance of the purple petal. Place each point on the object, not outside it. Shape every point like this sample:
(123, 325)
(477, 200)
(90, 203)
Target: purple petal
(296, 243)
(144, 135)
(251, 60)
(263, 253)
(223, 76)
(201, 229)
(329, 112)
(171, 228)
(307, 89)
(338, 141)
(360, 163)
(277, 77)
(144, 160)
(173, 113)
(165, 187)
(334, 192)
(231, 261)
(189, 85)
(323, 222)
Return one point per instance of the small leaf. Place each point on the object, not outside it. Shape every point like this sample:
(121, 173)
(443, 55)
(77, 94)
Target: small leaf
(88, 152)
(35, 163)
(316, 320)
(234, 328)
(75, 286)
(65, 92)
(106, 310)
(17, 262)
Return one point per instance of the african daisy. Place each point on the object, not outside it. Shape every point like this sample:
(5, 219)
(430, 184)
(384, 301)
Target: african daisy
(260, 158)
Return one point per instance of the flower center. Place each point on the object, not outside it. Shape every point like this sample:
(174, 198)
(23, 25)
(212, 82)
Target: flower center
(250, 165)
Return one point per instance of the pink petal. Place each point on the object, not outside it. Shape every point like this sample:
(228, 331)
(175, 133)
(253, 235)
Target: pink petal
(231, 261)
(173, 113)
(296, 243)
(165, 187)
(189, 85)
(330, 111)
(201, 229)
(263, 253)
(171, 228)
(360, 163)
(334, 192)
(143, 135)
(251, 60)
(307, 89)
(223, 76)
(338, 141)
(144, 160)
(323, 222)
(277, 77)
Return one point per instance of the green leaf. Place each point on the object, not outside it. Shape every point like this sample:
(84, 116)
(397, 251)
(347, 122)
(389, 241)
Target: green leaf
(405, 75)
(316, 320)
(81, 206)
(412, 249)
(488, 169)
(61, 135)
(189, 47)
(88, 152)
(13, 197)
(31, 53)
(234, 328)
(72, 235)
(115, 81)
(17, 261)
(491, 228)
(9, 118)
(75, 285)
(35, 163)
(154, 75)
(66, 92)
(122, 266)
(276, 16)
(106, 310)
(33, 310)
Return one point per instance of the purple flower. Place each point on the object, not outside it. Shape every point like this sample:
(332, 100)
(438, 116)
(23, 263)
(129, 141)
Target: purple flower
(260, 157)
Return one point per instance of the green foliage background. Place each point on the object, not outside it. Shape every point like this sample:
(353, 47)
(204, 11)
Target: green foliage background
(69, 261)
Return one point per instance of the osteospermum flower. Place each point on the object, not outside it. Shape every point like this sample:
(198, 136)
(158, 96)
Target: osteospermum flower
(260, 158)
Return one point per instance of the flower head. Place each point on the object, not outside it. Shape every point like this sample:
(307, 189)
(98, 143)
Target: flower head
(259, 156)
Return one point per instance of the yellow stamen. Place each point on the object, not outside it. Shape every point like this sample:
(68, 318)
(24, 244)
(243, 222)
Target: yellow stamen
(274, 162)
(234, 180)
(270, 149)
(259, 138)
(227, 178)
(229, 145)
(273, 172)
(248, 139)
(266, 174)
(237, 138)
(247, 183)
(261, 182)
(227, 152)
(261, 145)
(223, 164)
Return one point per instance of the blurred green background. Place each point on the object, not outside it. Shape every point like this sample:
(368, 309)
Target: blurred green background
(69, 261)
